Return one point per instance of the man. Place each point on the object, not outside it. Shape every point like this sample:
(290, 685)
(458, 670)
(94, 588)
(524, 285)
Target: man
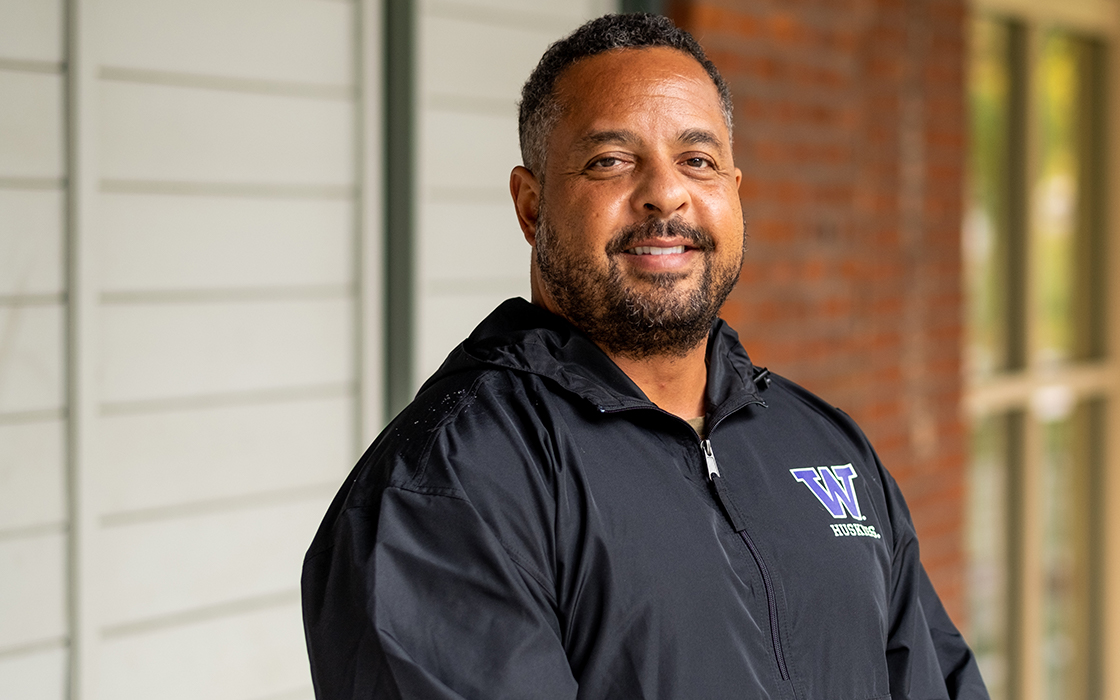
(597, 495)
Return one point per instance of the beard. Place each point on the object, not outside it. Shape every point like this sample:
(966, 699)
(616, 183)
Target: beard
(650, 315)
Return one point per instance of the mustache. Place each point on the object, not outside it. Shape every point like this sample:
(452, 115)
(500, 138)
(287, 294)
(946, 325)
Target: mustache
(658, 228)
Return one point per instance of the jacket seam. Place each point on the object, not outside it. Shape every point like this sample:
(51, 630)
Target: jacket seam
(437, 431)
(426, 491)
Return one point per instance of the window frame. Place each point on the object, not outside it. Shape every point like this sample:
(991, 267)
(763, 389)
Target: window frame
(1023, 389)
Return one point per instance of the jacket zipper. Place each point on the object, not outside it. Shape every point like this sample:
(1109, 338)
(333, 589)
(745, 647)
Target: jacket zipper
(738, 522)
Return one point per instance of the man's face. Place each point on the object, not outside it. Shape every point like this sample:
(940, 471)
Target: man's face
(638, 234)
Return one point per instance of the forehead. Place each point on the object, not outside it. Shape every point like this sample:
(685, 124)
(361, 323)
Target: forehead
(636, 84)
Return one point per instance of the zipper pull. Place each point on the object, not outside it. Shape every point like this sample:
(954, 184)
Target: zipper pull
(713, 468)
(737, 520)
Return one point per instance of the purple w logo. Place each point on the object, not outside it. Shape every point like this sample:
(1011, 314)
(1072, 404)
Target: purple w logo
(833, 488)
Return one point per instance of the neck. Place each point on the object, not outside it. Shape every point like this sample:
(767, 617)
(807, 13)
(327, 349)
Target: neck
(674, 384)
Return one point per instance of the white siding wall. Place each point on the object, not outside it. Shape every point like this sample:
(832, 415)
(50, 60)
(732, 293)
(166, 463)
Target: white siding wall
(473, 57)
(219, 240)
(34, 629)
(227, 160)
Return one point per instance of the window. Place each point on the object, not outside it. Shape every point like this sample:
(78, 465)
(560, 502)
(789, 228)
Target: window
(1037, 360)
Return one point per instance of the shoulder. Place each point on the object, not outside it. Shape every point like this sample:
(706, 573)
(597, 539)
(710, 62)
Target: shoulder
(470, 428)
(798, 415)
(473, 449)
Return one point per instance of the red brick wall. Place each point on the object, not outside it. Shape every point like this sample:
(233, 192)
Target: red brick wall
(850, 135)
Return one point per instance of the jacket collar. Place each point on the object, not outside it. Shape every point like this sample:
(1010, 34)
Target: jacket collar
(523, 337)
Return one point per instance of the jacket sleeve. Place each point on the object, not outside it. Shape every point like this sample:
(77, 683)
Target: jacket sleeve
(416, 597)
(927, 657)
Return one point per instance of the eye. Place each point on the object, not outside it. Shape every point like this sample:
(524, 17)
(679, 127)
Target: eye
(608, 165)
(604, 163)
(699, 162)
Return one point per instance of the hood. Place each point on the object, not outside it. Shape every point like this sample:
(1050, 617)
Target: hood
(523, 337)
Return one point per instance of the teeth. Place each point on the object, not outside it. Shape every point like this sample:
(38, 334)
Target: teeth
(651, 250)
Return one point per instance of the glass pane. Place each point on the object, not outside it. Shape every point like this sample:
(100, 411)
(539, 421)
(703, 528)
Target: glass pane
(1067, 544)
(988, 555)
(1057, 201)
(986, 221)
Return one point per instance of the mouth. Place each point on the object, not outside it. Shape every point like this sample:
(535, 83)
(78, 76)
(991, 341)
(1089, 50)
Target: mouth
(661, 240)
(656, 250)
(656, 257)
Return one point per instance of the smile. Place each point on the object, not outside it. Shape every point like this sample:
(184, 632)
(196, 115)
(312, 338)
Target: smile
(653, 250)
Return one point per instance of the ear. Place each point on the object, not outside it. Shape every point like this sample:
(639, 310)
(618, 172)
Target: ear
(526, 192)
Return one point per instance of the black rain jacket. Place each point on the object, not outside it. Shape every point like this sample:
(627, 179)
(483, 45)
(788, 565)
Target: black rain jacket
(533, 527)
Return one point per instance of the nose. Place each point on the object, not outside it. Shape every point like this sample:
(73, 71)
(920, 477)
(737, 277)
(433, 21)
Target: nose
(661, 190)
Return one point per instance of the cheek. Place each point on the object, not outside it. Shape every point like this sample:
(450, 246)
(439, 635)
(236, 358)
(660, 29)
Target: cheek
(721, 211)
(605, 200)
(591, 226)
(592, 216)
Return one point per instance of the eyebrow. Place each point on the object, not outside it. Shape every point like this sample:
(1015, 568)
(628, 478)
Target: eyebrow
(694, 137)
(598, 138)
(691, 137)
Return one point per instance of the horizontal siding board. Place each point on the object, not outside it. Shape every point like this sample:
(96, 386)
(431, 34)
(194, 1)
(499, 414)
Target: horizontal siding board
(31, 124)
(464, 58)
(184, 242)
(32, 487)
(467, 150)
(165, 567)
(158, 133)
(465, 241)
(166, 458)
(445, 320)
(31, 358)
(560, 15)
(241, 657)
(31, 30)
(306, 693)
(154, 351)
(32, 589)
(284, 40)
(34, 676)
(30, 242)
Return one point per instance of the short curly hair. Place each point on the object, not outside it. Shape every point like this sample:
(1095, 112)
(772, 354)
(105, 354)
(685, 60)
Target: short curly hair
(539, 109)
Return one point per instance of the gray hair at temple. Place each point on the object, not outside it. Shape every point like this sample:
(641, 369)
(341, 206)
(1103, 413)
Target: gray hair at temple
(539, 108)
